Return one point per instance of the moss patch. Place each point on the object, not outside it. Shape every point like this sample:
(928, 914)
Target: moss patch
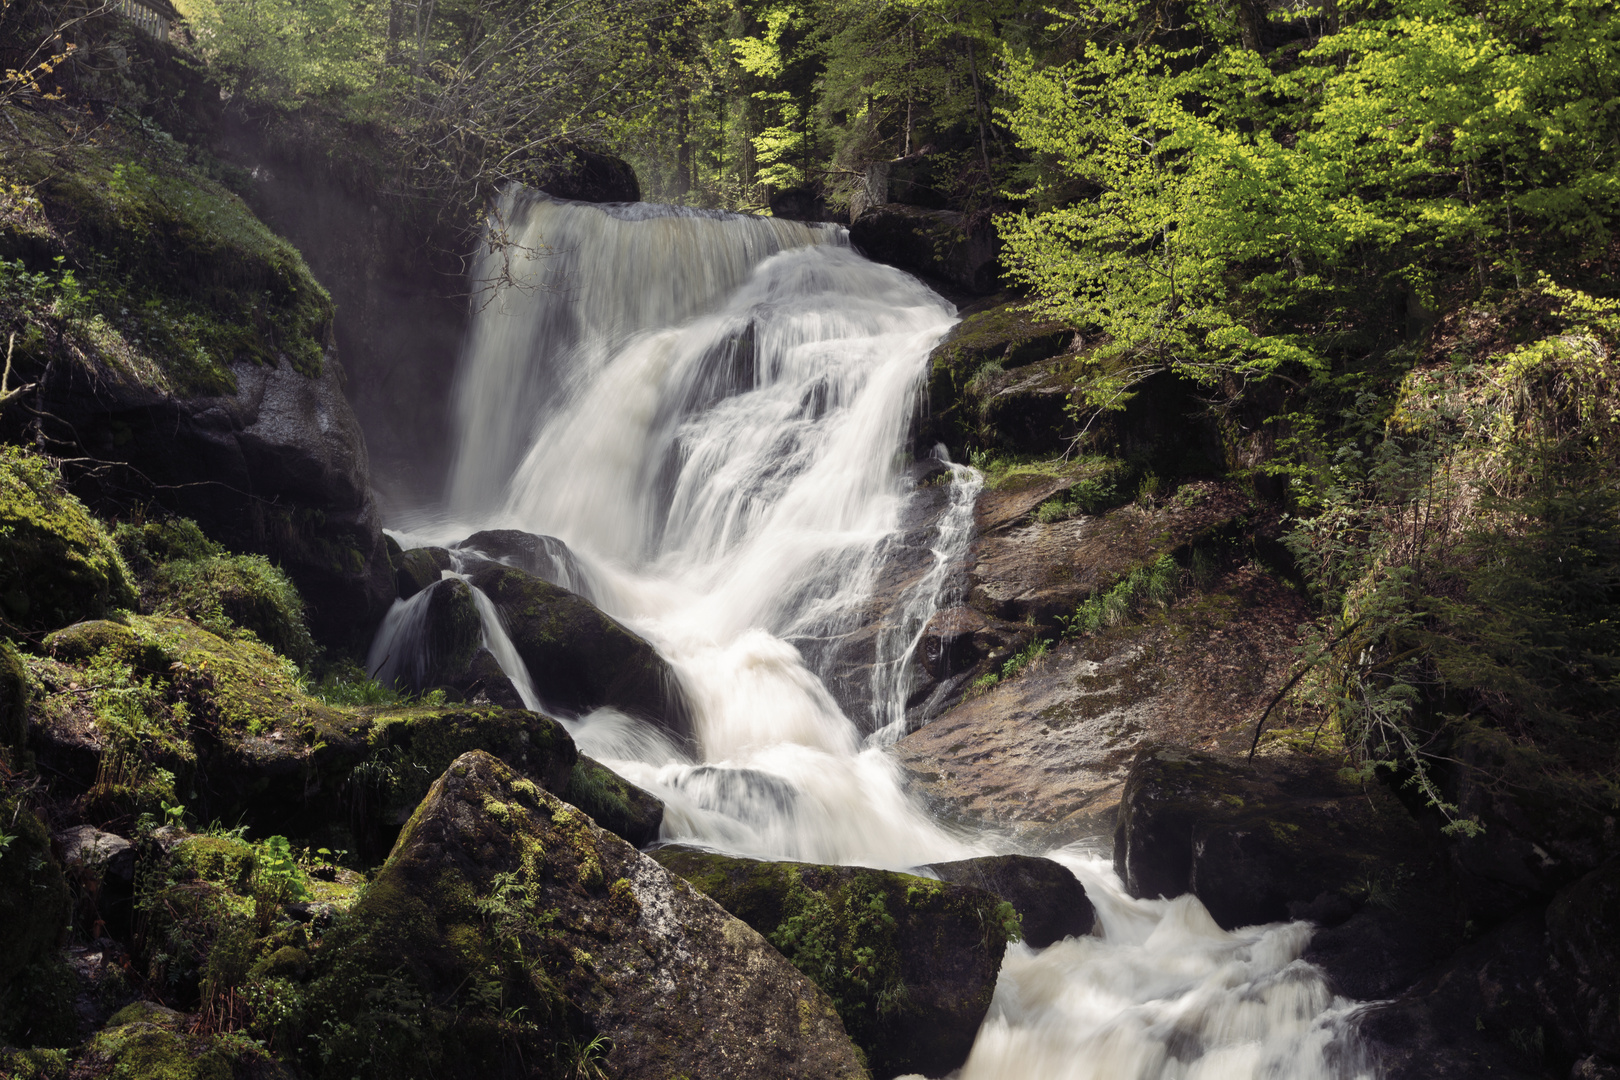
(57, 564)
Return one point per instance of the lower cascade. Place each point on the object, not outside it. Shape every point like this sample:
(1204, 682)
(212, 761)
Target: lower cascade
(711, 413)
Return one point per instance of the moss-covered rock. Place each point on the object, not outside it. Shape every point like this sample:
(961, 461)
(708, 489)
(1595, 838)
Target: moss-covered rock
(419, 568)
(34, 1064)
(182, 572)
(1050, 903)
(613, 802)
(506, 932)
(153, 1043)
(34, 901)
(579, 657)
(910, 962)
(57, 563)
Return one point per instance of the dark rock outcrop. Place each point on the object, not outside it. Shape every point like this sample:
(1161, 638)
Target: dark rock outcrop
(1583, 934)
(452, 631)
(1050, 903)
(943, 247)
(278, 468)
(614, 803)
(545, 557)
(579, 657)
(419, 568)
(575, 934)
(911, 961)
(798, 204)
(578, 172)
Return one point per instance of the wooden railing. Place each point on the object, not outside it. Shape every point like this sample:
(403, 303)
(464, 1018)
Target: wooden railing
(155, 19)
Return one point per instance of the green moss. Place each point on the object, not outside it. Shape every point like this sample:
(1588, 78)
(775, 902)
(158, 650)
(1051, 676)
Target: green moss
(182, 572)
(34, 1064)
(153, 1051)
(179, 278)
(57, 564)
(224, 860)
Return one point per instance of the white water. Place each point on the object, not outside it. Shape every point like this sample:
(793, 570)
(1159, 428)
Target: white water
(710, 411)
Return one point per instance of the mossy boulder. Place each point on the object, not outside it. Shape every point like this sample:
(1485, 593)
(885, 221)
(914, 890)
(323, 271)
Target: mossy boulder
(1291, 837)
(506, 932)
(910, 962)
(962, 380)
(1050, 902)
(154, 1043)
(579, 657)
(57, 563)
(34, 901)
(614, 803)
(419, 568)
(546, 557)
(182, 572)
(432, 640)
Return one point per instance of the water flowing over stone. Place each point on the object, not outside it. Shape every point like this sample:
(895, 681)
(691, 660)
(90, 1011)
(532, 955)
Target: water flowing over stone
(708, 413)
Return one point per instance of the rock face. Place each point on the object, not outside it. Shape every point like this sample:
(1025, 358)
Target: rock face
(578, 172)
(419, 568)
(942, 247)
(545, 557)
(580, 658)
(911, 962)
(1264, 841)
(278, 468)
(1050, 903)
(514, 932)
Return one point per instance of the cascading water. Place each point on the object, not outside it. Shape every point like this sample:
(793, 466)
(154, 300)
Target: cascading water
(710, 411)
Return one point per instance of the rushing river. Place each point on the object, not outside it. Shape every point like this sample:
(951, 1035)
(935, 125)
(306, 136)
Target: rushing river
(711, 411)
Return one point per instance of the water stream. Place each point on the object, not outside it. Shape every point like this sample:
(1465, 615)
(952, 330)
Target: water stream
(710, 411)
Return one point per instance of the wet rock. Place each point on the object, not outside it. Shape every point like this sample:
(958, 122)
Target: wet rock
(589, 938)
(579, 657)
(911, 961)
(419, 568)
(453, 633)
(1278, 838)
(614, 803)
(1050, 903)
(60, 565)
(941, 246)
(545, 557)
(484, 683)
(1485, 1012)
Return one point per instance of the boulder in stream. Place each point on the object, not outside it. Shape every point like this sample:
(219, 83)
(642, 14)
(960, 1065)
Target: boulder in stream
(419, 568)
(545, 557)
(579, 657)
(1050, 902)
(507, 935)
(911, 962)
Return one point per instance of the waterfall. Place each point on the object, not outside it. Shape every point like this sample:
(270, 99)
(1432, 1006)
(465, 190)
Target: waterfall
(710, 411)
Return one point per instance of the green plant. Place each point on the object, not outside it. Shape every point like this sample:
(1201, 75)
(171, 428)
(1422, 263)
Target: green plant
(1153, 585)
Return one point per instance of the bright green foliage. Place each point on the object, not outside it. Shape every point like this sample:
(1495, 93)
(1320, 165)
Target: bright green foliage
(146, 741)
(1247, 207)
(57, 564)
(1145, 587)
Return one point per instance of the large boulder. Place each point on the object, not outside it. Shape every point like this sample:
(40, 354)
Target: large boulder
(1292, 838)
(579, 172)
(58, 565)
(276, 467)
(614, 803)
(434, 640)
(507, 935)
(911, 962)
(419, 568)
(1050, 902)
(579, 657)
(545, 557)
(943, 247)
